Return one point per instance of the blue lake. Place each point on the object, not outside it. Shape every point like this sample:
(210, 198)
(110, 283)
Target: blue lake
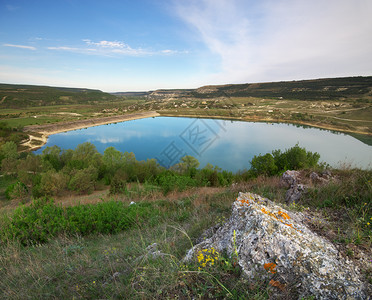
(227, 144)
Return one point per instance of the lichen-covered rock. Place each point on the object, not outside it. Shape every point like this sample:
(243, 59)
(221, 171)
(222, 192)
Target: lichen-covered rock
(290, 178)
(272, 243)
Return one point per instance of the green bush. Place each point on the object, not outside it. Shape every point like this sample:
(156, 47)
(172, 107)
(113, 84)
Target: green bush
(119, 183)
(264, 164)
(295, 158)
(43, 219)
(16, 191)
(84, 180)
(169, 181)
(53, 183)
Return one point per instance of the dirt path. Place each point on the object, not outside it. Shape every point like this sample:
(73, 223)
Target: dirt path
(49, 129)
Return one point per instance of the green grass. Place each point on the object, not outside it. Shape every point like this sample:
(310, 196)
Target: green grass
(119, 266)
(116, 264)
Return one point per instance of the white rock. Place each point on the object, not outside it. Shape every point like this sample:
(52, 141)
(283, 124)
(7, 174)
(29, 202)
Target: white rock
(263, 233)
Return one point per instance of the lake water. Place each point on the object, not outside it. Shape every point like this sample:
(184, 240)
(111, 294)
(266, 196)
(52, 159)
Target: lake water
(227, 144)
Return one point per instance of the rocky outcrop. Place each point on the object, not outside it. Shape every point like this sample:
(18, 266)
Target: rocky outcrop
(322, 178)
(275, 245)
(291, 179)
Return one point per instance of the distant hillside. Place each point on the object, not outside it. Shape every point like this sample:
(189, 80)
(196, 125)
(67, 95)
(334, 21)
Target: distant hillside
(327, 89)
(131, 94)
(16, 96)
(316, 89)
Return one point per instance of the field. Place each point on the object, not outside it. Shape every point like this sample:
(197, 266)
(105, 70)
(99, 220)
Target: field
(78, 241)
(121, 265)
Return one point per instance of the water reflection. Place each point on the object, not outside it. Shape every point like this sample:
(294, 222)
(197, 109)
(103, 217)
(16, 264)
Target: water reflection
(228, 144)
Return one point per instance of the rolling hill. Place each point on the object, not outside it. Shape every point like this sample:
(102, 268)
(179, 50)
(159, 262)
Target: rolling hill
(17, 96)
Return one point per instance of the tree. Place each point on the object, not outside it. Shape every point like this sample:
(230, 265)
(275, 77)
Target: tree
(52, 156)
(53, 183)
(190, 162)
(17, 191)
(264, 164)
(9, 150)
(113, 159)
(32, 164)
(9, 165)
(186, 164)
(84, 180)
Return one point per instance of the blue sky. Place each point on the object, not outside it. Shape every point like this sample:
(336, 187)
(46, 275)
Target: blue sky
(146, 45)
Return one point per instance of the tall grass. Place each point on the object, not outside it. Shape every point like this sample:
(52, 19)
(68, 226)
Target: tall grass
(93, 257)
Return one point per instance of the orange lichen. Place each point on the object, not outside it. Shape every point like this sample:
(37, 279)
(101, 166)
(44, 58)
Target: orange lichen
(283, 215)
(270, 267)
(280, 216)
(279, 285)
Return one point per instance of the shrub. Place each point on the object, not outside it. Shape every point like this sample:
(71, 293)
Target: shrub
(169, 182)
(43, 219)
(16, 191)
(53, 183)
(264, 164)
(119, 183)
(84, 180)
(294, 158)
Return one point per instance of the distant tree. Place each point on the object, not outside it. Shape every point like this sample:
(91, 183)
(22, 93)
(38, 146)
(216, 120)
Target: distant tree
(9, 165)
(17, 191)
(52, 156)
(113, 159)
(186, 164)
(9, 150)
(32, 164)
(146, 170)
(53, 183)
(84, 180)
(190, 162)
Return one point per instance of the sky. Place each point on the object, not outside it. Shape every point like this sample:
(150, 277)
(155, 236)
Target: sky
(142, 45)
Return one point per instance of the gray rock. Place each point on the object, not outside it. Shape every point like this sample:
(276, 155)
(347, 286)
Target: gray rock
(322, 178)
(272, 243)
(290, 178)
(295, 193)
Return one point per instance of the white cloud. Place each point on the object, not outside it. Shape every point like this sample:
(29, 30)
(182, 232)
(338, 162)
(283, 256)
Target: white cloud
(113, 48)
(73, 49)
(283, 39)
(107, 44)
(20, 46)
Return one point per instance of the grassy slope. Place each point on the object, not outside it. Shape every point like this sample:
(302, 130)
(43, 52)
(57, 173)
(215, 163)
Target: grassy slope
(17, 96)
(113, 266)
(318, 89)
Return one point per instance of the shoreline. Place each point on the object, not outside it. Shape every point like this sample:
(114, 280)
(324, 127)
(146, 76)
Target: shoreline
(48, 129)
(269, 120)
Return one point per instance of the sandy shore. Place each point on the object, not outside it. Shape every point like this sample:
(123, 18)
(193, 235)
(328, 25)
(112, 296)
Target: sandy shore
(44, 131)
(270, 120)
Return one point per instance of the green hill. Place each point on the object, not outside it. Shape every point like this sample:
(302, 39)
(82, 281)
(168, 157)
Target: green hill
(16, 96)
(317, 89)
